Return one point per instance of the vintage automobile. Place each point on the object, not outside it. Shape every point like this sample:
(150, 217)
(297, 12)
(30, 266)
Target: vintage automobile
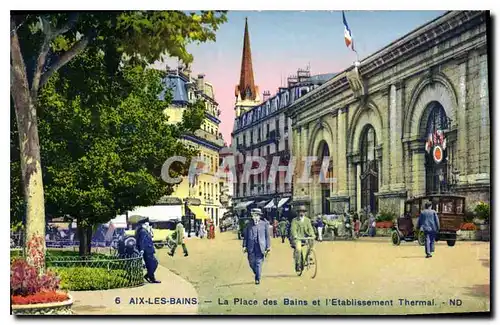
(450, 210)
(161, 231)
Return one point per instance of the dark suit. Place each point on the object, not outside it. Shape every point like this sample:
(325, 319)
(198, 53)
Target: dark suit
(257, 241)
(145, 243)
(428, 221)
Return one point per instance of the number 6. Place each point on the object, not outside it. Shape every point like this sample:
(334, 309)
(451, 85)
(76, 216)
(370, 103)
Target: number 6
(117, 300)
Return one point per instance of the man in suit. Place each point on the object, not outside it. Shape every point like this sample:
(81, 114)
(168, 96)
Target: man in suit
(301, 228)
(428, 222)
(145, 245)
(256, 242)
(178, 237)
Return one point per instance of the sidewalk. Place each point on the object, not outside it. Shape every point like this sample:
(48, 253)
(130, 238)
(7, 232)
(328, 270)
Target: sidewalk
(104, 302)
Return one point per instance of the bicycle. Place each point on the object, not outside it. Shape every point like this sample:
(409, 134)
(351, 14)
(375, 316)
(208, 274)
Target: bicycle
(308, 262)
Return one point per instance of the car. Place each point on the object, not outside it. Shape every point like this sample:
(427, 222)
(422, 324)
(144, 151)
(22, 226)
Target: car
(450, 210)
(161, 231)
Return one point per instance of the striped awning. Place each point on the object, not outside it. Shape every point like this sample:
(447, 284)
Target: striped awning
(270, 205)
(243, 205)
(283, 201)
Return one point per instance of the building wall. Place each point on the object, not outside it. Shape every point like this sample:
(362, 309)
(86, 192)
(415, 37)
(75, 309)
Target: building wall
(207, 187)
(453, 73)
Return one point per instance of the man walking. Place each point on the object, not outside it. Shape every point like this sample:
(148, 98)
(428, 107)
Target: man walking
(256, 242)
(301, 228)
(282, 226)
(320, 225)
(179, 239)
(145, 245)
(428, 222)
(372, 225)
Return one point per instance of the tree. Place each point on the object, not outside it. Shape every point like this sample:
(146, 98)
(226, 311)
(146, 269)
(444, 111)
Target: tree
(105, 139)
(41, 44)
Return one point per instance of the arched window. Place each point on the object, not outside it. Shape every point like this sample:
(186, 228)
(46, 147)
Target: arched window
(369, 169)
(436, 163)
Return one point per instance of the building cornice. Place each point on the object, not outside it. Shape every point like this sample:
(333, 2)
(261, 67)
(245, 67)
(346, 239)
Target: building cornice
(202, 142)
(434, 32)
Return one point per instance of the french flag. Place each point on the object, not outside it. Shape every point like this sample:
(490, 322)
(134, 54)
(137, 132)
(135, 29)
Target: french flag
(347, 33)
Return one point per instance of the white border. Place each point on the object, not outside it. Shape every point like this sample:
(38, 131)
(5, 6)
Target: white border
(200, 4)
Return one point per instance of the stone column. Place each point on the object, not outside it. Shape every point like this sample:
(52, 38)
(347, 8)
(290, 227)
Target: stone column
(462, 148)
(358, 186)
(341, 145)
(335, 152)
(484, 128)
(418, 168)
(305, 150)
(395, 151)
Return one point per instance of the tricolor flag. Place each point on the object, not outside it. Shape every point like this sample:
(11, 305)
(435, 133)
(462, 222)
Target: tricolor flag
(347, 34)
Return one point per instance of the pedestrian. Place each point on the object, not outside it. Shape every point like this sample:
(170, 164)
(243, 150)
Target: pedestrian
(275, 228)
(211, 230)
(372, 225)
(357, 226)
(428, 222)
(320, 225)
(282, 227)
(256, 242)
(145, 245)
(202, 230)
(179, 239)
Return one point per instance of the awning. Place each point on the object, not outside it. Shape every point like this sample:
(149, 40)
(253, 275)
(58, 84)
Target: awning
(156, 213)
(261, 204)
(270, 205)
(283, 201)
(198, 211)
(242, 205)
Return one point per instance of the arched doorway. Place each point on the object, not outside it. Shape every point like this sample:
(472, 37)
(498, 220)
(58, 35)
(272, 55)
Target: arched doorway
(324, 151)
(369, 169)
(436, 158)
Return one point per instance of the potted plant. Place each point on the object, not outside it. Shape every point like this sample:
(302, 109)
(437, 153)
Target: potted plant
(34, 291)
(482, 211)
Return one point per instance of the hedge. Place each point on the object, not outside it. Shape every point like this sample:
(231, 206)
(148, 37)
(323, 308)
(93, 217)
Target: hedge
(84, 278)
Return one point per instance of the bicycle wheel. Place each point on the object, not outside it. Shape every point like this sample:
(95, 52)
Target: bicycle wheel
(312, 263)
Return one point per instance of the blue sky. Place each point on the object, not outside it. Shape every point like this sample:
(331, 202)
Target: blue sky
(283, 41)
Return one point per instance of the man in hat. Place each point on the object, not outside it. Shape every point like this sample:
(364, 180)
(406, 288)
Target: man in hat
(145, 245)
(428, 222)
(256, 242)
(283, 225)
(301, 228)
(179, 238)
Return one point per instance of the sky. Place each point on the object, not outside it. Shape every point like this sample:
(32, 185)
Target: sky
(284, 41)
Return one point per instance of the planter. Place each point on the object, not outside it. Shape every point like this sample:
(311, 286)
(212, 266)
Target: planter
(384, 224)
(53, 308)
(468, 235)
(383, 232)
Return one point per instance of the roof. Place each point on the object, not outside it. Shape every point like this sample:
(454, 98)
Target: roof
(178, 88)
(246, 88)
(319, 79)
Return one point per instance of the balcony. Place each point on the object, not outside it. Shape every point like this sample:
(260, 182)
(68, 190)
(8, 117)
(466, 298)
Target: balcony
(215, 139)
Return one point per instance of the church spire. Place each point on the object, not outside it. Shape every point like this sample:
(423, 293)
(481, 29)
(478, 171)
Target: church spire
(246, 90)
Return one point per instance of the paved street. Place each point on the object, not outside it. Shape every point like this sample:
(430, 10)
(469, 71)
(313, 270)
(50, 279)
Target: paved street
(368, 269)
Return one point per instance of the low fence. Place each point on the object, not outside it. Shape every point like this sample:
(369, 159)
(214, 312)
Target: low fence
(97, 271)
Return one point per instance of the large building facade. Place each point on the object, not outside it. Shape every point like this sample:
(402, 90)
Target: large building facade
(409, 120)
(203, 193)
(261, 129)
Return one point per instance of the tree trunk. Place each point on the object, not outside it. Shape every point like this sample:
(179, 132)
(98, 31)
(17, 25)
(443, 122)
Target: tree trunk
(84, 236)
(29, 146)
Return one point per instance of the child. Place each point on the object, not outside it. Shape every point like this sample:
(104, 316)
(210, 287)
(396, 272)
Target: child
(357, 226)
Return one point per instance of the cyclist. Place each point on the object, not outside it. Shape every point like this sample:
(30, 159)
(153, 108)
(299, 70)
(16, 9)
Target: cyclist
(301, 228)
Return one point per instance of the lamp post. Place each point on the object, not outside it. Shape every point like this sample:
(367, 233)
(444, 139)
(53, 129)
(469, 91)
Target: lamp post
(455, 177)
(441, 178)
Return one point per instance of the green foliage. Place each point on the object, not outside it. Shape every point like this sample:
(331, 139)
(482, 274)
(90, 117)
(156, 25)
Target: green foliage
(483, 211)
(104, 139)
(193, 117)
(84, 278)
(385, 216)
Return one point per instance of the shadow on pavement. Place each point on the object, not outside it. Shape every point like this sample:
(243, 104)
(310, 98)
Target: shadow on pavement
(235, 284)
(478, 290)
(280, 276)
(420, 256)
(485, 262)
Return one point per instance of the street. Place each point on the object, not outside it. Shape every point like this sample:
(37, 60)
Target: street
(366, 269)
